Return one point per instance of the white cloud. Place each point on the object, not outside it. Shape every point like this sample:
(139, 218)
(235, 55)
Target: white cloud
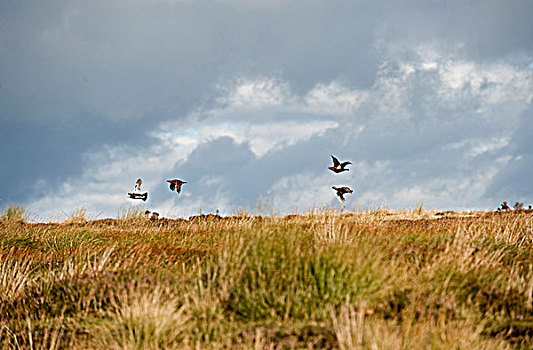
(492, 83)
(479, 146)
(488, 146)
(334, 99)
(255, 93)
(262, 138)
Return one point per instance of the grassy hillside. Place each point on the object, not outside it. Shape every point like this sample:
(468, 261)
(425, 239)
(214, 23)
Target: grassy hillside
(373, 280)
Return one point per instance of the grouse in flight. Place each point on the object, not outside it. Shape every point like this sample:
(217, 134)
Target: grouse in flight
(176, 184)
(338, 167)
(135, 195)
(341, 191)
(138, 184)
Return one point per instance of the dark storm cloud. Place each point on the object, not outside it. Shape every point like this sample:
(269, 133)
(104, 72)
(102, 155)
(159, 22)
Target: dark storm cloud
(54, 151)
(245, 177)
(121, 58)
(230, 165)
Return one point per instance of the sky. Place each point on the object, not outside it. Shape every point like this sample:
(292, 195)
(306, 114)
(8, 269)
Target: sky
(431, 101)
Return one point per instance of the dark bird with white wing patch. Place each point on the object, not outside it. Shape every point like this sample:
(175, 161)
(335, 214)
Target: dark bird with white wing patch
(338, 167)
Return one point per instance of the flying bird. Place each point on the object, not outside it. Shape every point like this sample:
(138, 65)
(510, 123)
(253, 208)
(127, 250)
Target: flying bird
(341, 191)
(176, 184)
(138, 185)
(338, 167)
(134, 195)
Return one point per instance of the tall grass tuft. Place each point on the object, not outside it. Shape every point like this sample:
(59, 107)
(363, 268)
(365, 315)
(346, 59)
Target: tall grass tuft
(13, 213)
(132, 215)
(142, 319)
(14, 276)
(77, 216)
(357, 328)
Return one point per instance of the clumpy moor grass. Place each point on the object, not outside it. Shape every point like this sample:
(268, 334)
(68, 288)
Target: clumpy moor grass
(325, 280)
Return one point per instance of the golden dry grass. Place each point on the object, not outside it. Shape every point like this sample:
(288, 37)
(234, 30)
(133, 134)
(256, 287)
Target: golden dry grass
(371, 280)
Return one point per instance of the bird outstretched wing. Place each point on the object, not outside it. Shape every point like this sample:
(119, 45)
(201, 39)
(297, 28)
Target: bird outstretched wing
(176, 184)
(335, 161)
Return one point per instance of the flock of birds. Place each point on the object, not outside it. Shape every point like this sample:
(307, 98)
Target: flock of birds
(176, 184)
(339, 167)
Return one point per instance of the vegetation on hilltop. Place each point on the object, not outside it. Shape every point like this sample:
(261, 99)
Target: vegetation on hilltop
(372, 280)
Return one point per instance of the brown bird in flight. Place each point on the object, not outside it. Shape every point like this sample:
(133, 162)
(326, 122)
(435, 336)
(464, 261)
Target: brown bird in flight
(176, 184)
(338, 167)
(135, 195)
(138, 185)
(341, 191)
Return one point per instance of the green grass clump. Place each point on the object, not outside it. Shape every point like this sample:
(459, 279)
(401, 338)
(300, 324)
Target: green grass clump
(13, 213)
(285, 276)
(369, 280)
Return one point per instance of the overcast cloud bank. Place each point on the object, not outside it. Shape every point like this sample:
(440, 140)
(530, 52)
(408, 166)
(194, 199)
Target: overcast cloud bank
(248, 104)
(433, 130)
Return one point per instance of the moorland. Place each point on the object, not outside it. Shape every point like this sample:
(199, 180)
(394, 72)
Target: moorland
(376, 279)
